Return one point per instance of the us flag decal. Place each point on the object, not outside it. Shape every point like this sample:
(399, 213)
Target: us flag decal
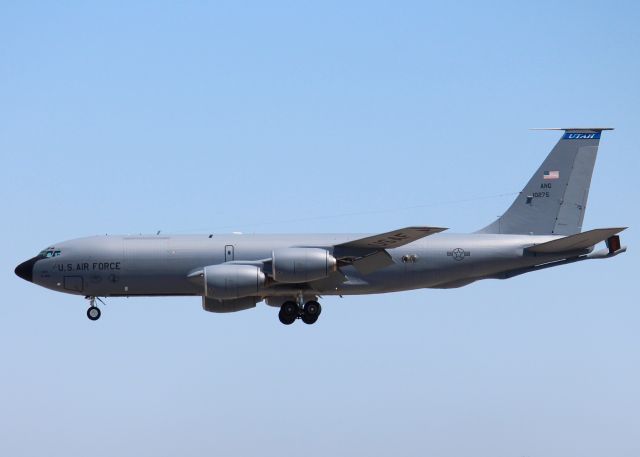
(551, 174)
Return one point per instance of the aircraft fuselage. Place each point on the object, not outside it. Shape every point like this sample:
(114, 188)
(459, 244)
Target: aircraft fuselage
(160, 265)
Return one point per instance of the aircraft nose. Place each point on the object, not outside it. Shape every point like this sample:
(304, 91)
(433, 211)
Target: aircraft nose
(25, 269)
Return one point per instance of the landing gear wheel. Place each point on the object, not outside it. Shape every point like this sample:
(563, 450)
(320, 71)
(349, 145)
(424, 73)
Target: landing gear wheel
(288, 312)
(311, 312)
(93, 313)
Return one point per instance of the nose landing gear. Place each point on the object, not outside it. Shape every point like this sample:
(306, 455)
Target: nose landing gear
(94, 313)
(290, 311)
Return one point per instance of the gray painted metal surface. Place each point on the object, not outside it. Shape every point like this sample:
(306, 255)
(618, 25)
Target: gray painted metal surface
(555, 198)
(234, 272)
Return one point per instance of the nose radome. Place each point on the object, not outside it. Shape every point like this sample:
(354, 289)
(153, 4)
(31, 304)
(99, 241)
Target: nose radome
(25, 269)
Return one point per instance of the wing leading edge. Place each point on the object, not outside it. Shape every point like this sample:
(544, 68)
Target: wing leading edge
(393, 239)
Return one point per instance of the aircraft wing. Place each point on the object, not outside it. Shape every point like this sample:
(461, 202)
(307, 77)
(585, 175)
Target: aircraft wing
(369, 254)
(392, 239)
(575, 242)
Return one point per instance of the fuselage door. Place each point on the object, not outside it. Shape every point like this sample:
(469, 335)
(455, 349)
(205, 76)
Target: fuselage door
(228, 253)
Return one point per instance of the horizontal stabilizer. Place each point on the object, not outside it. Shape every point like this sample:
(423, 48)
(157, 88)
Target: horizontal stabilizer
(390, 240)
(576, 242)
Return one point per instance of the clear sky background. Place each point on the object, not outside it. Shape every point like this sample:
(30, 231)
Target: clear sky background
(189, 117)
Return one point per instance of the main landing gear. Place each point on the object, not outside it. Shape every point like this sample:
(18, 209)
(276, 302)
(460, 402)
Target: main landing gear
(290, 311)
(94, 313)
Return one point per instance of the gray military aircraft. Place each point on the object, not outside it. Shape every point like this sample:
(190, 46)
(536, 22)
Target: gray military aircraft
(541, 229)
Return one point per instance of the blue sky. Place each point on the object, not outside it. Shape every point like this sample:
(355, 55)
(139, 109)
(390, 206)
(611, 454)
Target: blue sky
(315, 117)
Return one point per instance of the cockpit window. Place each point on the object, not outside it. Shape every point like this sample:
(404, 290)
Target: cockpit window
(49, 253)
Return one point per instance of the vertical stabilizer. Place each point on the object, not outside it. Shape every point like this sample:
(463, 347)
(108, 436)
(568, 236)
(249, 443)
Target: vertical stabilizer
(554, 200)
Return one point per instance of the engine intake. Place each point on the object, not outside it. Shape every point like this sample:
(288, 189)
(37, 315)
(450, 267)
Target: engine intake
(227, 282)
(292, 265)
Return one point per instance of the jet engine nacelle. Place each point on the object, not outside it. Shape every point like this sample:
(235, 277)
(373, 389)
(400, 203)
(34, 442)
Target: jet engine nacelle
(228, 282)
(291, 265)
(228, 306)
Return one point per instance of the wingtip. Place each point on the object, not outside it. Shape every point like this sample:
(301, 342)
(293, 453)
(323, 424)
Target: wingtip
(618, 229)
(430, 229)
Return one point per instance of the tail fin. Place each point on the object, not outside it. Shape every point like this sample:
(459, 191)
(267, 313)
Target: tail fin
(554, 200)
